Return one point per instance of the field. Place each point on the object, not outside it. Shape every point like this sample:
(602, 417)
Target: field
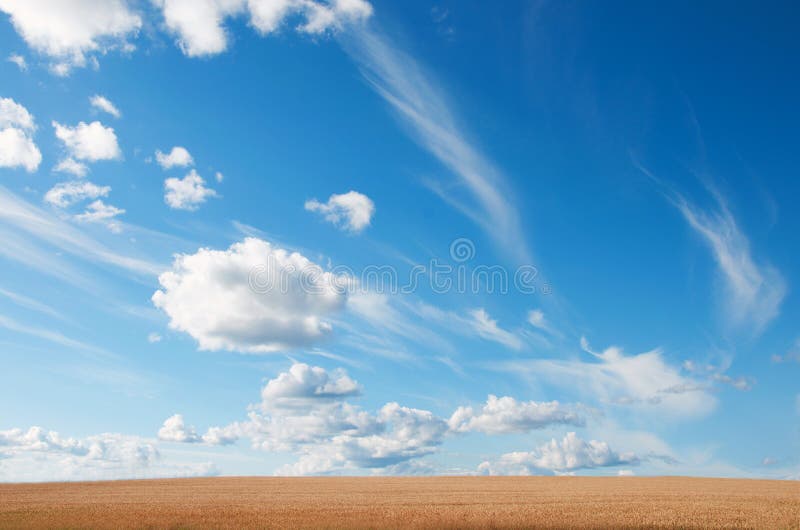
(435, 502)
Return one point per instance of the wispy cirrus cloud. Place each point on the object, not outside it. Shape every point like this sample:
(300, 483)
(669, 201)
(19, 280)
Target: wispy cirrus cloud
(424, 107)
(753, 290)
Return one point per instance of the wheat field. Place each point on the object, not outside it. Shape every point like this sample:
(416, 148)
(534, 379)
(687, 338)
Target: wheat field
(432, 502)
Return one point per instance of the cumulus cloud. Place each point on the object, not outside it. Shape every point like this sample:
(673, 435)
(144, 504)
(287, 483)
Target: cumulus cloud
(65, 194)
(199, 25)
(175, 430)
(17, 148)
(304, 411)
(570, 454)
(352, 210)
(36, 454)
(103, 104)
(90, 142)
(507, 415)
(252, 297)
(177, 157)
(71, 32)
(487, 328)
(187, 193)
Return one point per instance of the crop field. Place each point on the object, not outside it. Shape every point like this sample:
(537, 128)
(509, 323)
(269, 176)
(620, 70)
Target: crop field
(432, 502)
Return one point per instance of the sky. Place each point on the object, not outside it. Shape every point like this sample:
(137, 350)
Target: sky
(352, 237)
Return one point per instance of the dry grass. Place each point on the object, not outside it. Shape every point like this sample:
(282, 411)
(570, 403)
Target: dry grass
(434, 502)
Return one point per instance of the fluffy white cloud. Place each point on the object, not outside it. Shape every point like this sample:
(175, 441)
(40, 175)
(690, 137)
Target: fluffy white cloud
(253, 297)
(65, 194)
(507, 415)
(90, 142)
(69, 32)
(177, 157)
(175, 430)
(36, 454)
(571, 454)
(488, 329)
(19, 60)
(199, 25)
(351, 210)
(187, 193)
(103, 104)
(304, 384)
(17, 148)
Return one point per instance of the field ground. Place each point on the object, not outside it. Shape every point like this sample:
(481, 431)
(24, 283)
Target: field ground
(432, 502)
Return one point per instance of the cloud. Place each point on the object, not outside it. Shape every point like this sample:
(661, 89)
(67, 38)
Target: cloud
(253, 297)
(753, 291)
(416, 97)
(199, 25)
(17, 148)
(177, 157)
(90, 142)
(304, 411)
(644, 381)
(507, 415)
(175, 430)
(71, 32)
(352, 210)
(488, 329)
(304, 384)
(19, 60)
(24, 227)
(571, 454)
(65, 194)
(100, 212)
(103, 104)
(36, 454)
(153, 337)
(187, 193)
(72, 166)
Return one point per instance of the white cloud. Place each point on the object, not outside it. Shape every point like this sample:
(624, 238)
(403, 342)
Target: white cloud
(753, 291)
(36, 454)
(199, 25)
(644, 381)
(187, 193)
(90, 142)
(100, 212)
(17, 148)
(175, 430)
(253, 297)
(177, 157)
(65, 194)
(507, 415)
(153, 337)
(104, 104)
(415, 96)
(19, 60)
(304, 384)
(488, 329)
(72, 166)
(571, 454)
(351, 210)
(219, 176)
(71, 32)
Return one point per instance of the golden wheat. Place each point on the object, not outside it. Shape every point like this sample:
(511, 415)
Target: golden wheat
(431, 502)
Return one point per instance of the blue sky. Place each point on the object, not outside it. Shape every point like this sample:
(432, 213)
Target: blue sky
(311, 237)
